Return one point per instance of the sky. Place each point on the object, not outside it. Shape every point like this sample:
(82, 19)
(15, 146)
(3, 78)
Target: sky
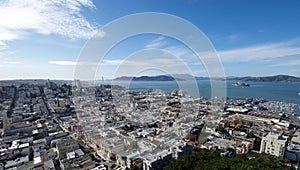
(41, 39)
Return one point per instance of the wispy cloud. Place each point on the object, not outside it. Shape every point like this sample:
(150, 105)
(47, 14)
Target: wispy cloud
(5, 63)
(233, 37)
(132, 64)
(261, 52)
(19, 18)
(143, 62)
(156, 43)
(276, 54)
(289, 63)
(177, 50)
(63, 63)
(3, 47)
(149, 65)
(108, 62)
(13, 62)
(73, 63)
(293, 60)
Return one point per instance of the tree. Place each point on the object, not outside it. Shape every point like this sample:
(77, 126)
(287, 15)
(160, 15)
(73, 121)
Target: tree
(251, 134)
(256, 145)
(212, 160)
(291, 134)
(90, 154)
(250, 123)
(134, 167)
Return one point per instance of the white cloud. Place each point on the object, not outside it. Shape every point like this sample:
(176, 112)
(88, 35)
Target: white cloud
(99, 34)
(179, 51)
(19, 18)
(121, 62)
(144, 62)
(63, 63)
(13, 62)
(261, 52)
(289, 63)
(167, 62)
(270, 52)
(72, 63)
(3, 45)
(293, 60)
(5, 63)
(156, 43)
(276, 54)
(108, 62)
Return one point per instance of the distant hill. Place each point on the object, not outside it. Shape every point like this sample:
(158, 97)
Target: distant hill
(277, 78)
(146, 78)
(202, 78)
(123, 78)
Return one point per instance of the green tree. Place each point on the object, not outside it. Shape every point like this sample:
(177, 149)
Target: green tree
(212, 160)
(134, 167)
(291, 134)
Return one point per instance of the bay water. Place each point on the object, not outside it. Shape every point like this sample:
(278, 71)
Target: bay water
(275, 91)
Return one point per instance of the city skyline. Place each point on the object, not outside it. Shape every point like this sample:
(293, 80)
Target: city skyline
(41, 39)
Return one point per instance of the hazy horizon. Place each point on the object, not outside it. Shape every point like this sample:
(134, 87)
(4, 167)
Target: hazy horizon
(108, 79)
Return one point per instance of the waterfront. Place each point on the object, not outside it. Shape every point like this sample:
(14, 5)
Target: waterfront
(276, 91)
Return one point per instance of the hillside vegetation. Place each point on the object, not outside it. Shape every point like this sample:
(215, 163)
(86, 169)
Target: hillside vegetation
(212, 160)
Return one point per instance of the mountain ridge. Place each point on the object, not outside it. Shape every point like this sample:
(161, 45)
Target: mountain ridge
(275, 78)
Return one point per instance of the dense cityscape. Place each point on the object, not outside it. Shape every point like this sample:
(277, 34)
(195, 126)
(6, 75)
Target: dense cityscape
(70, 126)
(149, 85)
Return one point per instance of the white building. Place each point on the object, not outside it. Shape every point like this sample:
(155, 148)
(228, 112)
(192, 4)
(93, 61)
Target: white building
(273, 144)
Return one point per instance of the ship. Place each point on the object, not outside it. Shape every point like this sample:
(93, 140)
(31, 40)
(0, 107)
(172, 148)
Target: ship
(239, 84)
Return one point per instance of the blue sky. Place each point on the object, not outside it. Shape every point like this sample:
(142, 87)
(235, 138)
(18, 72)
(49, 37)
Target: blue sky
(43, 38)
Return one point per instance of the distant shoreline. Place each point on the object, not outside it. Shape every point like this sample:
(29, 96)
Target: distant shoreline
(169, 78)
(276, 78)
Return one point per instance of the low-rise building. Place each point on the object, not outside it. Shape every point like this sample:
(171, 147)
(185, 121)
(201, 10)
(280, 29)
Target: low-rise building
(17, 162)
(293, 150)
(83, 162)
(273, 144)
(66, 145)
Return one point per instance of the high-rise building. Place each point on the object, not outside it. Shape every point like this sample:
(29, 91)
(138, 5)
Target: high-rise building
(273, 144)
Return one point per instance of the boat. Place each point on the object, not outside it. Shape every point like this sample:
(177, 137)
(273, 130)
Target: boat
(239, 84)
(298, 93)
